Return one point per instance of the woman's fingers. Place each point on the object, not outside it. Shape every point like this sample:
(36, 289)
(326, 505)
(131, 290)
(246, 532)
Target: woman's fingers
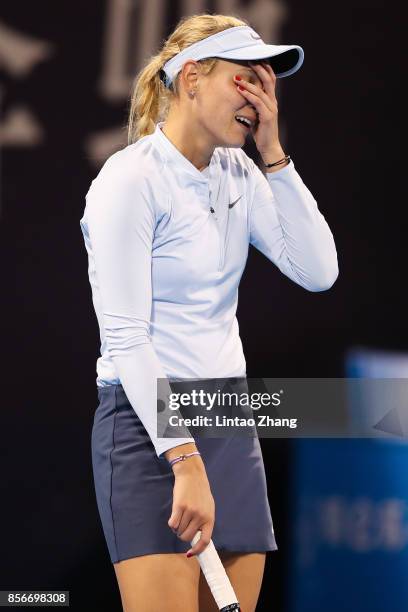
(191, 522)
(175, 518)
(205, 537)
(265, 113)
(185, 523)
(258, 98)
(266, 75)
(188, 532)
(254, 94)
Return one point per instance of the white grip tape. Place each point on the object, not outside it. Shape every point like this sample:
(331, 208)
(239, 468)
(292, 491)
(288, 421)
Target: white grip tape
(215, 574)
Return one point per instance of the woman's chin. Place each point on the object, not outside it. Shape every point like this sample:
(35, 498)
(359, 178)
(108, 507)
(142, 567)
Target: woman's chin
(233, 138)
(237, 140)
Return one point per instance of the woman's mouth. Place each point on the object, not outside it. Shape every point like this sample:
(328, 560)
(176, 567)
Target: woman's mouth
(244, 121)
(246, 128)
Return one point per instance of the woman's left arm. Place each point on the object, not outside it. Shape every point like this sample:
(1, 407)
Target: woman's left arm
(288, 228)
(285, 222)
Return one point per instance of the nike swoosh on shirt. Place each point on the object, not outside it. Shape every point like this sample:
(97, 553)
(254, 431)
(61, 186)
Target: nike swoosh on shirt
(233, 203)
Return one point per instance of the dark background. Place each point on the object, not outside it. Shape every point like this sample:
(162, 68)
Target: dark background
(343, 120)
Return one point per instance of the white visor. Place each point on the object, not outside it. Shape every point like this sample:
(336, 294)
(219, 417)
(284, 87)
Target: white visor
(236, 43)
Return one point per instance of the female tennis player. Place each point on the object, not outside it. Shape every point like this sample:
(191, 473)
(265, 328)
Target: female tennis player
(167, 226)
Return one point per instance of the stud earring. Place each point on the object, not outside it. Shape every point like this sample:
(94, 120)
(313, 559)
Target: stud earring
(191, 93)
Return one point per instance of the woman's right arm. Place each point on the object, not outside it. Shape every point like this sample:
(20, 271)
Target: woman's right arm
(121, 220)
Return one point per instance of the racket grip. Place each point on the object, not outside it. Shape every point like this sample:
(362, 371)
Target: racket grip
(216, 576)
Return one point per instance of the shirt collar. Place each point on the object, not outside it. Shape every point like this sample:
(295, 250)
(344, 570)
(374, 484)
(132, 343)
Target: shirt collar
(173, 155)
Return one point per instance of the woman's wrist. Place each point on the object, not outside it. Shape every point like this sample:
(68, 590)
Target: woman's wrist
(174, 452)
(189, 463)
(272, 156)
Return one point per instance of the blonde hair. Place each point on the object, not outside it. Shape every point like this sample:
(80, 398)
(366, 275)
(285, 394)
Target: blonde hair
(150, 99)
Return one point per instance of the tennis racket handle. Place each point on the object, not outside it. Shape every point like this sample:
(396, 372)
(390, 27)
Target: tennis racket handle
(216, 577)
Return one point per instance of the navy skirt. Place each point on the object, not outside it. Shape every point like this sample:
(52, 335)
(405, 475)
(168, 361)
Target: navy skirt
(134, 488)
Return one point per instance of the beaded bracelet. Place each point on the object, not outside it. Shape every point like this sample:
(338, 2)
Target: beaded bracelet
(183, 457)
(281, 161)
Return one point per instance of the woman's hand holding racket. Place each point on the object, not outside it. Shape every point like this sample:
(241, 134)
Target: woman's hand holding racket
(193, 504)
(192, 518)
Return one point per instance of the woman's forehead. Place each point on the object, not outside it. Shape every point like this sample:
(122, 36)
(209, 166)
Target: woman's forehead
(242, 65)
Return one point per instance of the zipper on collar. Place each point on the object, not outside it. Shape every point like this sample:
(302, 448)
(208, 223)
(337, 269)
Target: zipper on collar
(224, 235)
(220, 240)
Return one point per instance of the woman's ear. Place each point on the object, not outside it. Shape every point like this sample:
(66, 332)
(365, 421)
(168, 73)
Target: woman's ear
(189, 74)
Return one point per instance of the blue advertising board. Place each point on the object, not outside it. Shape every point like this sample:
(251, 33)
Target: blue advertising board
(349, 506)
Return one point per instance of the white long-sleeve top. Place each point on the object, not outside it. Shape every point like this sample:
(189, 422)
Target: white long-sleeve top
(164, 269)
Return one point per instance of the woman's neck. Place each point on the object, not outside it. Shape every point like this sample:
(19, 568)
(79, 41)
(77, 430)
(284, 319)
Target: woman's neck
(190, 144)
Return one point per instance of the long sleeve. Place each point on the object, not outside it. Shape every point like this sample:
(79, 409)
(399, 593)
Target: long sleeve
(288, 228)
(121, 223)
